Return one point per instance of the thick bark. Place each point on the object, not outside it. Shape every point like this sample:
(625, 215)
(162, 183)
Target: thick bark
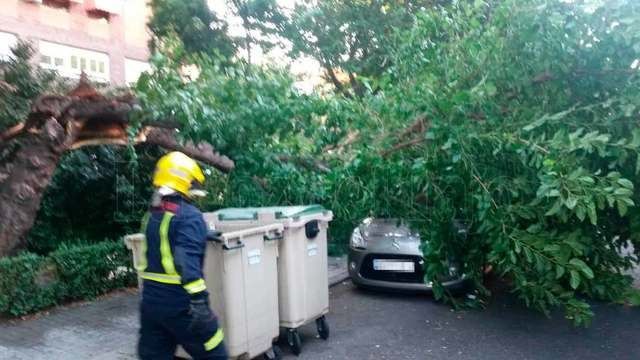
(23, 180)
(166, 138)
(11, 132)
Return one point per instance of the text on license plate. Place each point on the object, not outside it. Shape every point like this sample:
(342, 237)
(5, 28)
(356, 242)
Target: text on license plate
(393, 265)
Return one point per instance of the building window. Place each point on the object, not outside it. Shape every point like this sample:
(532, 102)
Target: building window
(133, 69)
(7, 42)
(70, 61)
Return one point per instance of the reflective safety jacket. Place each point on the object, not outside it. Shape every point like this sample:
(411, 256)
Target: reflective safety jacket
(172, 255)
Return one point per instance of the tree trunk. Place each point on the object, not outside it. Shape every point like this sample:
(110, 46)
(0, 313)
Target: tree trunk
(24, 176)
(30, 151)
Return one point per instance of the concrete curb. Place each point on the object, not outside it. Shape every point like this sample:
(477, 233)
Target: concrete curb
(338, 278)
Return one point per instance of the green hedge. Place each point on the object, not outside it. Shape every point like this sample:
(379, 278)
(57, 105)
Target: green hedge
(30, 282)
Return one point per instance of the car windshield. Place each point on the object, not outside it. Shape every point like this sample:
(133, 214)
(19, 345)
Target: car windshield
(387, 227)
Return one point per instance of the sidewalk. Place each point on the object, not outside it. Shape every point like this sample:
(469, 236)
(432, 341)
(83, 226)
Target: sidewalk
(337, 270)
(106, 329)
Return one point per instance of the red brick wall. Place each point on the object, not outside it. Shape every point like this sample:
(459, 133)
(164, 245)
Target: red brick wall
(70, 27)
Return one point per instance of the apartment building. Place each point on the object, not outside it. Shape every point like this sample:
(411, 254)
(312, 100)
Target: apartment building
(107, 39)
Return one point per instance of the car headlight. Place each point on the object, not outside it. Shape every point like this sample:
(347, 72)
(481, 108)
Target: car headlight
(357, 240)
(453, 270)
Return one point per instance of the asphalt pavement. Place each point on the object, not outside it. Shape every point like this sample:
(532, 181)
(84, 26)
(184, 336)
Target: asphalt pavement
(373, 325)
(364, 325)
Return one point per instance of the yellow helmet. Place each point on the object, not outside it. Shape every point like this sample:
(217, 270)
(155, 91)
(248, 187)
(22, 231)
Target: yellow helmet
(179, 172)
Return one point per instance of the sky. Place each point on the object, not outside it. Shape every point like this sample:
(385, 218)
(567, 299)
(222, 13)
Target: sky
(306, 69)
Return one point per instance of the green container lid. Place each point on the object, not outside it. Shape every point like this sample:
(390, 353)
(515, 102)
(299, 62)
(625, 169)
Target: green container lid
(280, 212)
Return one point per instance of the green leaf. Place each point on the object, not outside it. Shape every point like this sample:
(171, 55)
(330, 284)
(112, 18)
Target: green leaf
(548, 163)
(571, 202)
(560, 270)
(593, 216)
(534, 229)
(633, 297)
(623, 192)
(628, 201)
(581, 212)
(622, 207)
(583, 267)
(527, 254)
(552, 248)
(575, 279)
(555, 208)
(491, 89)
(553, 193)
(513, 258)
(625, 183)
(587, 179)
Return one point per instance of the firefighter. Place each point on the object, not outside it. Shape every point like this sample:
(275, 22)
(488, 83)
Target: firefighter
(175, 303)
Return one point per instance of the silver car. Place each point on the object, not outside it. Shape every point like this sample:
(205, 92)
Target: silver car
(385, 254)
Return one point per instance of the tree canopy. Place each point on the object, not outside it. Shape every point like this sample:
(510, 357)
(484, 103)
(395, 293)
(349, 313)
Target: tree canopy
(198, 27)
(350, 39)
(517, 117)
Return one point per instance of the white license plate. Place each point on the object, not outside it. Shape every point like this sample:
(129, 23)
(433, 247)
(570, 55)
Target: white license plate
(393, 265)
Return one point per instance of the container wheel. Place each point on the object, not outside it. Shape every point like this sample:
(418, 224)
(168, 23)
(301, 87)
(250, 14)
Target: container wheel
(277, 351)
(294, 341)
(323, 327)
(274, 353)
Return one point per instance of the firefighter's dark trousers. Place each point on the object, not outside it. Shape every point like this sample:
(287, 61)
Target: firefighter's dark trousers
(162, 329)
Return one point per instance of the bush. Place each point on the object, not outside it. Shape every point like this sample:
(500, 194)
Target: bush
(30, 282)
(88, 271)
(22, 286)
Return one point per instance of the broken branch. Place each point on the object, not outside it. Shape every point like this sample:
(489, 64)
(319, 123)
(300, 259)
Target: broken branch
(166, 138)
(401, 146)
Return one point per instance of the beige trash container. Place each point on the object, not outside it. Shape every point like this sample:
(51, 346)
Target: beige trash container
(303, 288)
(241, 276)
(134, 243)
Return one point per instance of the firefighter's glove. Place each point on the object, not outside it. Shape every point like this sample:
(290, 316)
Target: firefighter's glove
(202, 317)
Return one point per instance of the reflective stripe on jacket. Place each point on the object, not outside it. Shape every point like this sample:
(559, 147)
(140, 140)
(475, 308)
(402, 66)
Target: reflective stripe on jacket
(173, 252)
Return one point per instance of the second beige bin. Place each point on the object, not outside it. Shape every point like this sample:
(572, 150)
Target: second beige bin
(303, 288)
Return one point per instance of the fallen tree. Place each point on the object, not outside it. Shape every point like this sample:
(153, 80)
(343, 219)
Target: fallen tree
(57, 124)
